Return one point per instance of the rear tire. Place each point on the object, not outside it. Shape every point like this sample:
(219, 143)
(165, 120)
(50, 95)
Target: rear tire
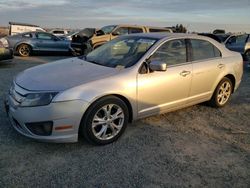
(222, 93)
(104, 121)
(24, 50)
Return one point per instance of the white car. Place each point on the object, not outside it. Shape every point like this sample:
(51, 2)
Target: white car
(59, 32)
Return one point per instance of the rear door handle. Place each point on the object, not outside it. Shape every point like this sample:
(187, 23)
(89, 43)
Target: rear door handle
(220, 66)
(185, 73)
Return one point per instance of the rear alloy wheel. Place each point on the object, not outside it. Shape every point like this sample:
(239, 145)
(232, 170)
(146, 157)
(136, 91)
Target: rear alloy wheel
(24, 50)
(105, 121)
(222, 93)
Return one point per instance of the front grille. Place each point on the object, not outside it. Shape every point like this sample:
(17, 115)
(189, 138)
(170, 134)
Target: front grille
(40, 128)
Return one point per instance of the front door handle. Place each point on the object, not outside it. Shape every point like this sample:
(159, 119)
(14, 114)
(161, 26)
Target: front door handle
(220, 66)
(185, 73)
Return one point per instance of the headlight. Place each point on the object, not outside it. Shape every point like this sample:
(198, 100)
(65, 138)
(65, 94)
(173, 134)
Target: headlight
(4, 42)
(37, 99)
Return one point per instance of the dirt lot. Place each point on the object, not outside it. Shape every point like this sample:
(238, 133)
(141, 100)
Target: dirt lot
(194, 147)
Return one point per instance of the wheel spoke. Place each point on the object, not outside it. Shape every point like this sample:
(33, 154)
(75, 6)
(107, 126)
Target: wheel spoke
(118, 114)
(108, 121)
(102, 131)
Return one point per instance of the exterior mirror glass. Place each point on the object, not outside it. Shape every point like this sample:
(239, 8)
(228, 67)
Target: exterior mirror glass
(158, 66)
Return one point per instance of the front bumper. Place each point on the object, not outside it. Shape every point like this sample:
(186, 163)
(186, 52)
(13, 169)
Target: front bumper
(6, 54)
(67, 114)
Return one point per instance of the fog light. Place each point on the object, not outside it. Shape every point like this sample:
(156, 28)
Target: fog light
(40, 128)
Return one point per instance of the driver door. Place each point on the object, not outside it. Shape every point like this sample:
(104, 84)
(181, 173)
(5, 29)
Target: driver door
(163, 91)
(46, 42)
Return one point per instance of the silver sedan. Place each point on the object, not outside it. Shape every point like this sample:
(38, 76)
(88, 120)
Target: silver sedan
(128, 78)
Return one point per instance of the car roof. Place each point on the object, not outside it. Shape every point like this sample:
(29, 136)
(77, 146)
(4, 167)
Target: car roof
(161, 35)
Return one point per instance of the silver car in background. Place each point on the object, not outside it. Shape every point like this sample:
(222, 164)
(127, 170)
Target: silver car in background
(128, 78)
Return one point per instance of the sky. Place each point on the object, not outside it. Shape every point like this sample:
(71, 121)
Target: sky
(195, 15)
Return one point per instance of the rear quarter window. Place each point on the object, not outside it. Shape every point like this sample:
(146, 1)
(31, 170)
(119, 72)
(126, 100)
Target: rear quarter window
(27, 35)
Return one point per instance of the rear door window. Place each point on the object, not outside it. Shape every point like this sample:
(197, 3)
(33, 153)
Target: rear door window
(135, 30)
(202, 49)
(153, 30)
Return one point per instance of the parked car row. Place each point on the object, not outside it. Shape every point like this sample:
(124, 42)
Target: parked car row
(93, 38)
(81, 42)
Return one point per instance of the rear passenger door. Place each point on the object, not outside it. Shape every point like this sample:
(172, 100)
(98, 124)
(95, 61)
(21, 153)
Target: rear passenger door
(206, 60)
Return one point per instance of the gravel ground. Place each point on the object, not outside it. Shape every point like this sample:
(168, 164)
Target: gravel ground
(193, 147)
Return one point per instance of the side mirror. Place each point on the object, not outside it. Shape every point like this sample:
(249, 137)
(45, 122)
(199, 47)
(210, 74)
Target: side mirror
(157, 66)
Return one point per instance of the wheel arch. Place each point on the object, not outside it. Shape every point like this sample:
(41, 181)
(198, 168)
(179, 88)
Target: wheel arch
(18, 44)
(230, 76)
(232, 79)
(123, 98)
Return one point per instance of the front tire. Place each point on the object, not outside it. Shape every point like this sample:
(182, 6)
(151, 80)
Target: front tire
(105, 121)
(24, 50)
(222, 93)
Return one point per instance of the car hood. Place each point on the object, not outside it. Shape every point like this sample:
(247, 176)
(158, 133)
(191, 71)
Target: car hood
(62, 75)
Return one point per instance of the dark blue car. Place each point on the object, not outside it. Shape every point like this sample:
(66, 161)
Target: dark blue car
(26, 43)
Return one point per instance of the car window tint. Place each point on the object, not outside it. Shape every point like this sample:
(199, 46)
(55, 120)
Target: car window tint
(241, 39)
(152, 30)
(172, 52)
(122, 31)
(203, 50)
(58, 32)
(44, 36)
(135, 30)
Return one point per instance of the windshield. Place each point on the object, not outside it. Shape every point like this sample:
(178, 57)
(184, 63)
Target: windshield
(123, 51)
(108, 29)
(71, 33)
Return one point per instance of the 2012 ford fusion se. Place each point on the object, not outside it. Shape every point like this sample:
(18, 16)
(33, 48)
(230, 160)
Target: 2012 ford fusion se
(128, 78)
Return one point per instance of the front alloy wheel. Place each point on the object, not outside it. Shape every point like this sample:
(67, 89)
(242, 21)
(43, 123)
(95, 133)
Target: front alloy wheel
(105, 120)
(108, 122)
